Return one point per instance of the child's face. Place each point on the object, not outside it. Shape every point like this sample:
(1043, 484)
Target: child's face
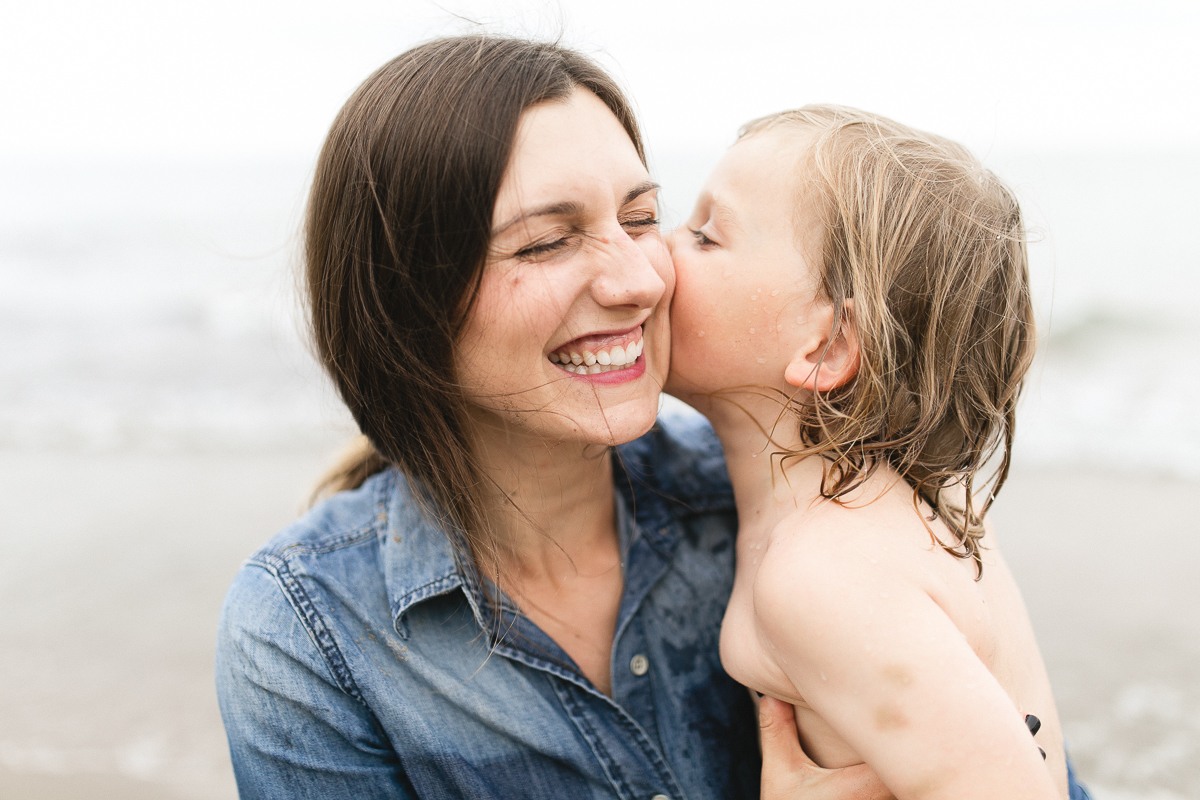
(746, 271)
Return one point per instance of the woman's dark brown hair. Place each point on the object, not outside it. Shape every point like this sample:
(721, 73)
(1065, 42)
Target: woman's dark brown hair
(396, 233)
(930, 247)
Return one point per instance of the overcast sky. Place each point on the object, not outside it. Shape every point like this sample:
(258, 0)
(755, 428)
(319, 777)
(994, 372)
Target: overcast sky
(264, 78)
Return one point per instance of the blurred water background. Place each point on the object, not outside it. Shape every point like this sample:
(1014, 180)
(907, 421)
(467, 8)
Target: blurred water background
(154, 305)
(160, 415)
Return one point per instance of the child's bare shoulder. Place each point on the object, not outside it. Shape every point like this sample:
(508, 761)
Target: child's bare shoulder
(826, 551)
(878, 522)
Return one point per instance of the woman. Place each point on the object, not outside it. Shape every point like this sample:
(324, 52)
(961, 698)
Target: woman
(506, 610)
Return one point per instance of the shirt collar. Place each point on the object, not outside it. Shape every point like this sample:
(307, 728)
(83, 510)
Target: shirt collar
(418, 559)
(662, 476)
(674, 471)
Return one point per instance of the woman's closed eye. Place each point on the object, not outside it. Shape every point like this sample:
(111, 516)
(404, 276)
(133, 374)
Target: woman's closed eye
(701, 238)
(638, 225)
(534, 251)
(633, 225)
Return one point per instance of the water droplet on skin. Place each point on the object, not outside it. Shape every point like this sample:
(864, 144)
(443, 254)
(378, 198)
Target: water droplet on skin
(774, 293)
(823, 677)
(754, 455)
(701, 333)
(761, 360)
(752, 330)
(755, 561)
(753, 297)
(778, 327)
(799, 320)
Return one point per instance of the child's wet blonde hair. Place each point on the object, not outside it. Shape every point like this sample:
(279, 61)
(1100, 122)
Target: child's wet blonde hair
(930, 247)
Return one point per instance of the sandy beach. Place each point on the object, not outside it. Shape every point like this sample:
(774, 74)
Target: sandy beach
(112, 570)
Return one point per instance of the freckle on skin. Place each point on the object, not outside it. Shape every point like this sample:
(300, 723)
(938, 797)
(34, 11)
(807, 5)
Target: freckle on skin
(887, 718)
(897, 674)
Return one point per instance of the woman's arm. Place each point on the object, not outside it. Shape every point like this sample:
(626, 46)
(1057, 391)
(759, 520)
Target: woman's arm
(789, 774)
(293, 731)
(879, 660)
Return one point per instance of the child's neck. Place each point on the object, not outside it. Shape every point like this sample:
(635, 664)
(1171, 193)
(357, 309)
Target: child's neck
(765, 491)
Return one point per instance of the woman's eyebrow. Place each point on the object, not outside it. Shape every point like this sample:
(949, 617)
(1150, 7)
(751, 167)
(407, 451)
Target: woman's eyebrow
(567, 208)
(639, 190)
(564, 208)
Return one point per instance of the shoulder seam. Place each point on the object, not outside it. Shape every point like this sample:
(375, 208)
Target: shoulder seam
(312, 621)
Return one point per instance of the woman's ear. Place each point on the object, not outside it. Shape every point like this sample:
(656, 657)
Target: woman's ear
(823, 363)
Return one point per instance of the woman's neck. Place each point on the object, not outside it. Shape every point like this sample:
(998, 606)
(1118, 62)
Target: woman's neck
(551, 503)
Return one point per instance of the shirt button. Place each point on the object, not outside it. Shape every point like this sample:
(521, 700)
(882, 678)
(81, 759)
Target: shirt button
(639, 665)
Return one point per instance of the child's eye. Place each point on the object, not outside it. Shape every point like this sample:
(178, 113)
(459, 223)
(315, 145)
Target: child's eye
(701, 239)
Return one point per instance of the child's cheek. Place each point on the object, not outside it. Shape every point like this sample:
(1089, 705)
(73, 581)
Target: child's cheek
(758, 319)
(697, 303)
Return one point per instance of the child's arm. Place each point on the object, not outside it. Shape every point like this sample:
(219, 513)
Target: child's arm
(871, 652)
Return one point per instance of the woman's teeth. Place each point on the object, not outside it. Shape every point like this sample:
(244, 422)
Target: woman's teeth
(588, 362)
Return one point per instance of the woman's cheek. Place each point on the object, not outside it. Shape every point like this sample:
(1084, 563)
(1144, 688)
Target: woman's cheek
(659, 255)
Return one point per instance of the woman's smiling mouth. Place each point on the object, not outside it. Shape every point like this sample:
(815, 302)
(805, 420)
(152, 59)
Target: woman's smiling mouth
(594, 355)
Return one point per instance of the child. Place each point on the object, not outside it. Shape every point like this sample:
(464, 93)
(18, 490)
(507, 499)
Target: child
(852, 313)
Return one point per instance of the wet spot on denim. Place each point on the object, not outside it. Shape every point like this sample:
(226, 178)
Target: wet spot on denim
(684, 659)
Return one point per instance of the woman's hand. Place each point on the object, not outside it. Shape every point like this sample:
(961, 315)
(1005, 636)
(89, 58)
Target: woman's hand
(789, 774)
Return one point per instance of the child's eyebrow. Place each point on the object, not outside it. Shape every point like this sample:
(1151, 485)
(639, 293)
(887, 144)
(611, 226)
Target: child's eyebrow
(723, 215)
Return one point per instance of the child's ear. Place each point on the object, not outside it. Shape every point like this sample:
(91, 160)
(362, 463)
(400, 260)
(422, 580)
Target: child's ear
(822, 364)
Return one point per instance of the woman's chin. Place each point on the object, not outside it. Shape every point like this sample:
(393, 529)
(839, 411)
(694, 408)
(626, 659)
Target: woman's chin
(622, 423)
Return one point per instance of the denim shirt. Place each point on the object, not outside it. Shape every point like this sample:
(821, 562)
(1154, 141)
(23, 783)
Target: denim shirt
(355, 658)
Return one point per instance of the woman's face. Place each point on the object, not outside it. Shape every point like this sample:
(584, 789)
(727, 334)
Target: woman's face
(746, 294)
(569, 339)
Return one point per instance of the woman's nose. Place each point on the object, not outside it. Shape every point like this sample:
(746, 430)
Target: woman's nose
(626, 276)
